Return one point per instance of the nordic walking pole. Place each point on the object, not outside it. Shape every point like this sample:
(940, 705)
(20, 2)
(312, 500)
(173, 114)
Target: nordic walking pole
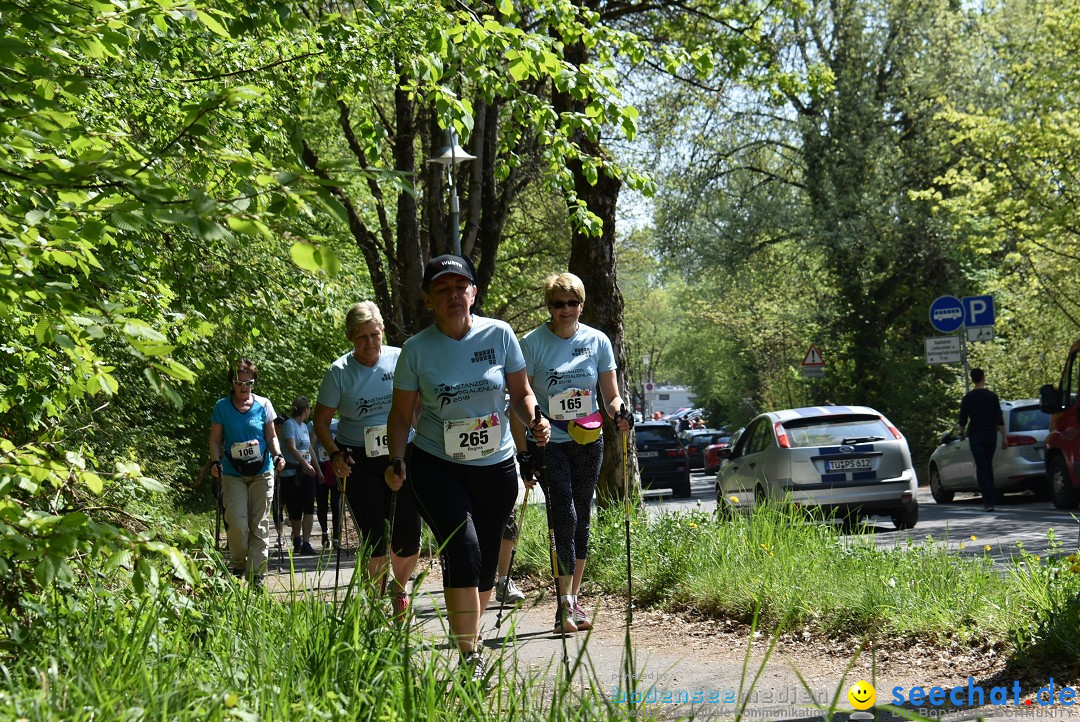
(217, 512)
(629, 649)
(390, 532)
(341, 523)
(545, 484)
(626, 518)
(513, 553)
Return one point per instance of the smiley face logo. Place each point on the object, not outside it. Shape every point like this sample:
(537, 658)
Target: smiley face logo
(862, 695)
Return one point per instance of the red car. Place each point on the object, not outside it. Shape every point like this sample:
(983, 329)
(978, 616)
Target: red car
(712, 454)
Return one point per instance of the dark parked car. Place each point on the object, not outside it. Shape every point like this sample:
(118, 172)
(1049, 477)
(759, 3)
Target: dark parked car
(662, 458)
(695, 441)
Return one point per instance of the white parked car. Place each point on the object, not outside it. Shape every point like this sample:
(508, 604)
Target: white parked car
(850, 460)
(1017, 468)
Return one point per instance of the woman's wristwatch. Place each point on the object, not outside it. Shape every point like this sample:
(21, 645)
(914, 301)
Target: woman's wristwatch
(275, 457)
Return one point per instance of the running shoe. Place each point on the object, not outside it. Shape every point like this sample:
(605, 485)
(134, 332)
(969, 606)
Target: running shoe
(564, 625)
(401, 607)
(508, 593)
(474, 668)
(306, 549)
(581, 619)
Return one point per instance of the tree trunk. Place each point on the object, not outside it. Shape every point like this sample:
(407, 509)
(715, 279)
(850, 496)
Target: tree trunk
(593, 260)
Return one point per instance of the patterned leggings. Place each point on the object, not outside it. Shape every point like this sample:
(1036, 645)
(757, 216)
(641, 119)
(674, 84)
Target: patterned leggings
(573, 470)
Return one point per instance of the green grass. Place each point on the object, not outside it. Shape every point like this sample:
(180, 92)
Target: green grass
(804, 576)
(231, 653)
(98, 650)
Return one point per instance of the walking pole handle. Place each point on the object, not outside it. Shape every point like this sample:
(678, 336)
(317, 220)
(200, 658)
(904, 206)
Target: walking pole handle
(397, 466)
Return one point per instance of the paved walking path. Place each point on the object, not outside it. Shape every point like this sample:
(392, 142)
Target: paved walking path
(705, 666)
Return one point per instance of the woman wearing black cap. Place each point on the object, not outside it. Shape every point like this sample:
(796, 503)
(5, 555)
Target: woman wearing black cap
(461, 461)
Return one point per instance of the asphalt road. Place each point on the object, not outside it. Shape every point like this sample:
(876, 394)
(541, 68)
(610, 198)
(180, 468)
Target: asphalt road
(1018, 519)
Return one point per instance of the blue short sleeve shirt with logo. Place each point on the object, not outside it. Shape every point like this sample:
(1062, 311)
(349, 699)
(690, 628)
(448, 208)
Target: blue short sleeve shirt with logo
(361, 394)
(302, 436)
(460, 379)
(556, 364)
(238, 427)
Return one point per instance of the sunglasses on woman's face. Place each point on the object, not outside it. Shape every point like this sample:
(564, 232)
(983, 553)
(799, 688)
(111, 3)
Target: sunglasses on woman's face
(244, 383)
(572, 303)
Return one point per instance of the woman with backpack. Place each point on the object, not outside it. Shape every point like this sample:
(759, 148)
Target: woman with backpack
(244, 449)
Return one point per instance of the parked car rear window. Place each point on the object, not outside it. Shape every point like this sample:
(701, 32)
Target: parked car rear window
(832, 430)
(651, 434)
(1028, 418)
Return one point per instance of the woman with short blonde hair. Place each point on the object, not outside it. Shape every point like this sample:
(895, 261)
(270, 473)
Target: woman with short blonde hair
(358, 388)
(566, 363)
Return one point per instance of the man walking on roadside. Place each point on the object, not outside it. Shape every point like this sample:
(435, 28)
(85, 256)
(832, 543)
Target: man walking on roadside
(982, 409)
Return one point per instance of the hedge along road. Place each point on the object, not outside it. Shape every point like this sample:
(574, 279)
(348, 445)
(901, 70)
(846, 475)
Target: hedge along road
(1018, 518)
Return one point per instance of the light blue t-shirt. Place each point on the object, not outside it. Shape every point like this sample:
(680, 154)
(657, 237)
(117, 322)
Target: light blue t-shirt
(458, 380)
(240, 427)
(302, 434)
(361, 394)
(556, 364)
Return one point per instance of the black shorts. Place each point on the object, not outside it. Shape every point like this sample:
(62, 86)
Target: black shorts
(467, 509)
(299, 493)
(369, 497)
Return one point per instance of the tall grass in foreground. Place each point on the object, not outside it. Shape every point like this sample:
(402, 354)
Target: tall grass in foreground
(807, 577)
(232, 653)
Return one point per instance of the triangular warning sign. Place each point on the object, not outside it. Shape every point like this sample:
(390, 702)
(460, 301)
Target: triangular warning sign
(813, 357)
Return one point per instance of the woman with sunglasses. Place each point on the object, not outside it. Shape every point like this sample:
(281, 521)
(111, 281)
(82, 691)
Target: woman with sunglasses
(461, 461)
(244, 448)
(566, 361)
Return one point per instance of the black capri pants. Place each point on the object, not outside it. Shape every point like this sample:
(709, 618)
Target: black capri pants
(466, 508)
(299, 492)
(368, 497)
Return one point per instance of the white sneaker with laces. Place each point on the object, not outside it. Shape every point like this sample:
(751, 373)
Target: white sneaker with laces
(508, 593)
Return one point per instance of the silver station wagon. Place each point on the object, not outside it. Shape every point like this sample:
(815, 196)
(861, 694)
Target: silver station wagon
(847, 460)
(1018, 467)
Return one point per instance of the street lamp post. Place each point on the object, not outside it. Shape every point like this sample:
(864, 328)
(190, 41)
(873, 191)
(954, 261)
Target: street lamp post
(450, 156)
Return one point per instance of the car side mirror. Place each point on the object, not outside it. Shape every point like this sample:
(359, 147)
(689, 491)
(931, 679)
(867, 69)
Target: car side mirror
(1049, 399)
(725, 453)
(947, 437)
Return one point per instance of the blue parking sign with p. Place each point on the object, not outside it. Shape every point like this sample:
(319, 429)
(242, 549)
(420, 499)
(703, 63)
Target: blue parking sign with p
(978, 311)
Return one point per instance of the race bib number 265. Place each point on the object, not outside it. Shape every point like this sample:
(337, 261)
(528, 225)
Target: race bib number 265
(469, 439)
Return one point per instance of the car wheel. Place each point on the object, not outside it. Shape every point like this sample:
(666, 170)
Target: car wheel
(936, 489)
(905, 517)
(1061, 488)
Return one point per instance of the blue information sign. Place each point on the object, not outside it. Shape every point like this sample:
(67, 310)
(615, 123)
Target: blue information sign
(947, 314)
(978, 311)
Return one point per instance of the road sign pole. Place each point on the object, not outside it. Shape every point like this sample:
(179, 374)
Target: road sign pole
(964, 357)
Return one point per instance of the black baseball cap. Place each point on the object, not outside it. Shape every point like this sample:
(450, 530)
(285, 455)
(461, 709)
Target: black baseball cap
(442, 265)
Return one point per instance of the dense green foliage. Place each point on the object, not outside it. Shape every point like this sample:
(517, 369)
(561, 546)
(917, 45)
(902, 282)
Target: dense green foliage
(910, 150)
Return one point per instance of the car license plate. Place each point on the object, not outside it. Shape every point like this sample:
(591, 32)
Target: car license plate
(647, 454)
(847, 464)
